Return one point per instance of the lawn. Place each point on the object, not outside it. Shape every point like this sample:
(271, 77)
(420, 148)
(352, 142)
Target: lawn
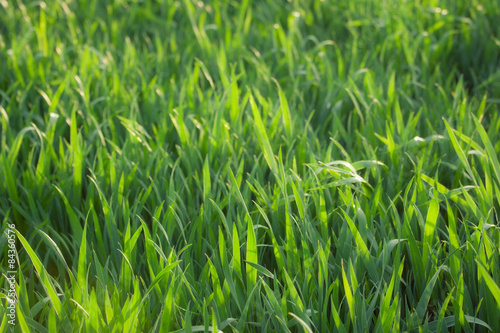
(250, 166)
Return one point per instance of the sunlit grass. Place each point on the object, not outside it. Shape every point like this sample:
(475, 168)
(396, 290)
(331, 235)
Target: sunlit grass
(314, 166)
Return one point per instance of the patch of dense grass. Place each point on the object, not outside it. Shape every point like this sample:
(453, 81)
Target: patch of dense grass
(251, 166)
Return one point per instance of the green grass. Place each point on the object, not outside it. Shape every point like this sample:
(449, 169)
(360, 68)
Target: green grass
(251, 166)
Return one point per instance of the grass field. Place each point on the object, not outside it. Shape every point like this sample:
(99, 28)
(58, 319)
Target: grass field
(250, 166)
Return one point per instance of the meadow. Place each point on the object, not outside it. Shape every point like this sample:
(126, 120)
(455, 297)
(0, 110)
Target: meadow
(250, 166)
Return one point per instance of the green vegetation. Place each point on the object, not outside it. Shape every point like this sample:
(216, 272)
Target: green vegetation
(251, 166)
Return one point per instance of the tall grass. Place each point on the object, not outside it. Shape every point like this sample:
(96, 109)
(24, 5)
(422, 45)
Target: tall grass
(257, 166)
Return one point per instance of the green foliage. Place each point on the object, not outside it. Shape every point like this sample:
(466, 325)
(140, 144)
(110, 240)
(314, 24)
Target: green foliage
(251, 166)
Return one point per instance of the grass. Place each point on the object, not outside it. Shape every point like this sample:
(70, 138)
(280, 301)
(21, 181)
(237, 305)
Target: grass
(251, 166)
